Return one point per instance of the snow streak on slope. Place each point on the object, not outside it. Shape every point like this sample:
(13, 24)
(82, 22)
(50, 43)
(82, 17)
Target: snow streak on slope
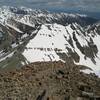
(8, 56)
(83, 41)
(16, 29)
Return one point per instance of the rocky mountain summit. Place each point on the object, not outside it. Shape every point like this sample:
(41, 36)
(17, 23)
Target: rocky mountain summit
(48, 81)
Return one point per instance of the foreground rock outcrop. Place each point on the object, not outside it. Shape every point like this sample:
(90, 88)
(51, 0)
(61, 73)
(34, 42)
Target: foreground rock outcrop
(47, 81)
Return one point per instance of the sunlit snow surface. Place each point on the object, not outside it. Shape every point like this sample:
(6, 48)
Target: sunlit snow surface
(42, 47)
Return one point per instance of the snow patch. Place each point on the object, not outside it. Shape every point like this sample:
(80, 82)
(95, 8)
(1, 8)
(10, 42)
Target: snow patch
(16, 29)
(8, 56)
(87, 71)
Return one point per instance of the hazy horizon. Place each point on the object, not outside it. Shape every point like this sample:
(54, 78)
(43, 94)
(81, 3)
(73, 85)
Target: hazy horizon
(89, 7)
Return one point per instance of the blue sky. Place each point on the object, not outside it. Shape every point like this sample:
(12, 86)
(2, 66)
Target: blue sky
(84, 5)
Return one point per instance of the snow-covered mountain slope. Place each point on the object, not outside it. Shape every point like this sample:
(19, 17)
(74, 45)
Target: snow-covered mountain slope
(53, 39)
(28, 36)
